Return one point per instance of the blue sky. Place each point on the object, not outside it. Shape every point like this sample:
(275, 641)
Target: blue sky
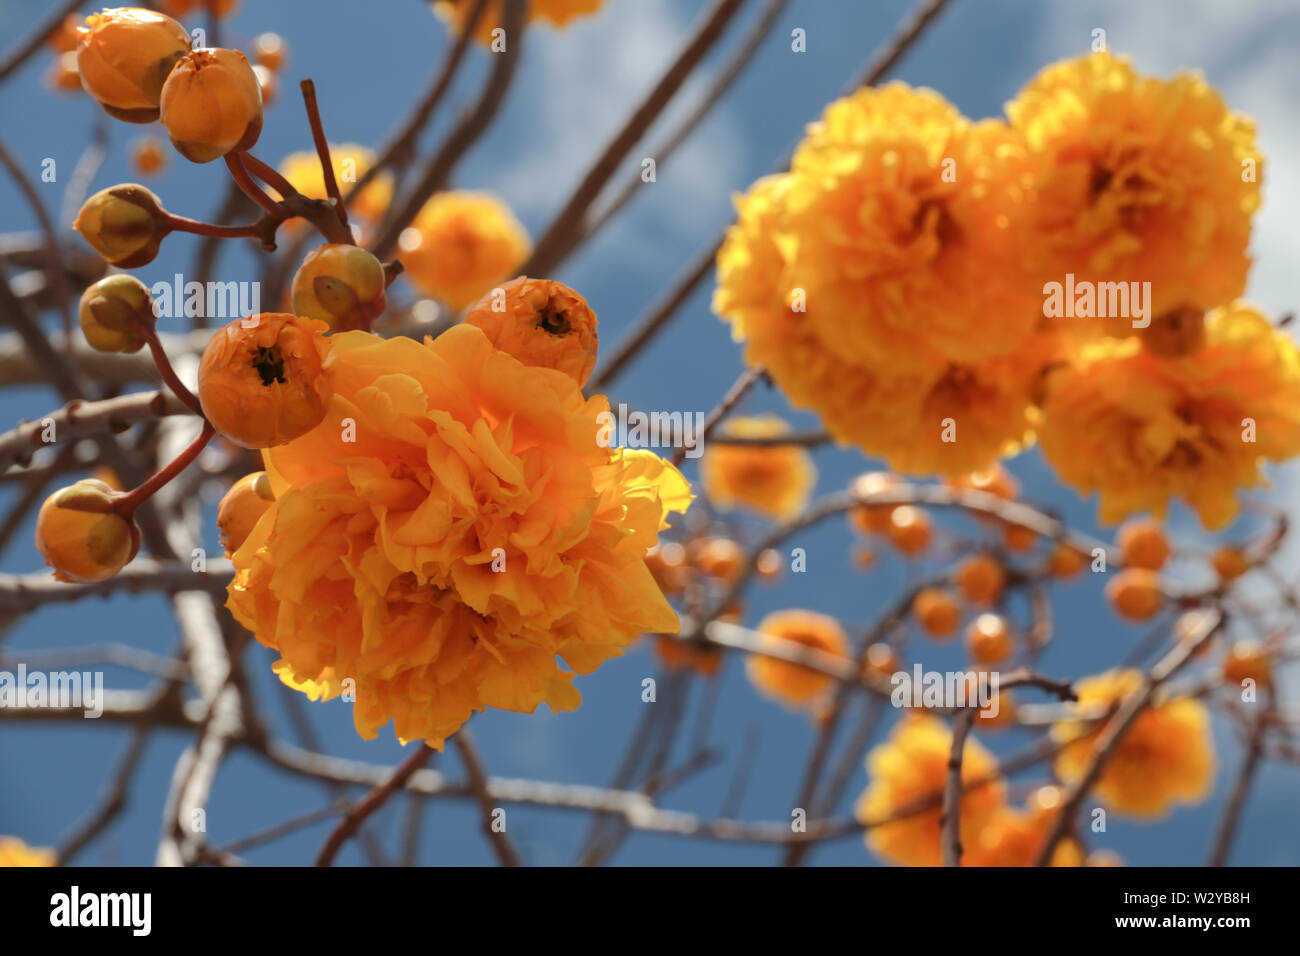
(574, 89)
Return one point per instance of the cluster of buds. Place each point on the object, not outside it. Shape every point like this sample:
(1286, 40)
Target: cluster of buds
(264, 379)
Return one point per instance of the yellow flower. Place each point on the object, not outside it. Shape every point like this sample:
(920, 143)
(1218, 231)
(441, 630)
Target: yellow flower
(264, 380)
(795, 685)
(899, 407)
(1015, 838)
(540, 322)
(1167, 756)
(14, 852)
(472, 532)
(1141, 429)
(350, 163)
(556, 12)
(773, 479)
(460, 244)
(909, 770)
(897, 230)
(1139, 179)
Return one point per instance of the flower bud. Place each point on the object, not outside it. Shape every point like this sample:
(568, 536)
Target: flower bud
(266, 380)
(63, 75)
(246, 501)
(540, 322)
(126, 224)
(147, 156)
(116, 314)
(66, 36)
(341, 285)
(124, 58)
(270, 50)
(212, 105)
(80, 535)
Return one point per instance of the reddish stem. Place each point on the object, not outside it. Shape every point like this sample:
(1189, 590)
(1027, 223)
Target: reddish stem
(168, 373)
(127, 503)
(269, 175)
(234, 162)
(323, 149)
(200, 228)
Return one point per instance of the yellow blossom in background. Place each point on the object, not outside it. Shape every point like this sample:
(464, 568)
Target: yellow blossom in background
(794, 684)
(1165, 758)
(1141, 429)
(898, 405)
(14, 852)
(350, 162)
(901, 227)
(1139, 180)
(1015, 838)
(555, 12)
(449, 530)
(772, 479)
(461, 244)
(912, 767)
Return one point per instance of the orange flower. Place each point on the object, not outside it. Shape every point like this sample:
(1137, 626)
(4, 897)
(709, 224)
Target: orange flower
(1166, 757)
(795, 685)
(14, 852)
(265, 380)
(116, 314)
(212, 105)
(772, 479)
(125, 223)
(80, 535)
(1015, 837)
(474, 531)
(556, 12)
(341, 285)
(1141, 428)
(247, 500)
(910, 769)
(350, 163)
(1139, 179)
(460, 245)
(124, 57)
(540, 322)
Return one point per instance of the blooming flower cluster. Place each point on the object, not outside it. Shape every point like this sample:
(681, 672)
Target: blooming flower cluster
(896, 281)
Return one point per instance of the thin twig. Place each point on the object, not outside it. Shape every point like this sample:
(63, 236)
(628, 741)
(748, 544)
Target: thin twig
(504, 849)
(371, 804)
